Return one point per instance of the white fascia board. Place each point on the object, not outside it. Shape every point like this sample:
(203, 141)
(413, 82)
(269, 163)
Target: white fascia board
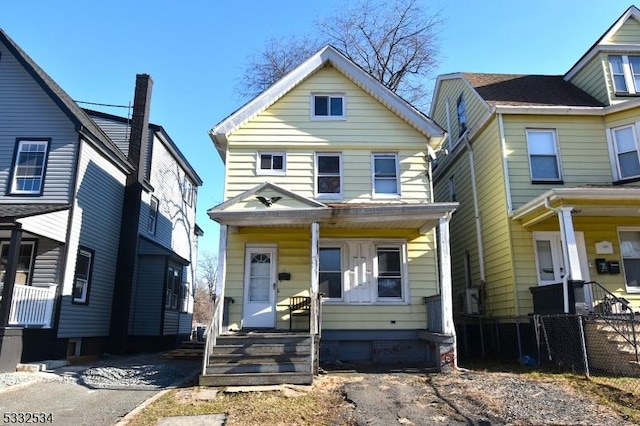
(596, 50)
(455, 76)
(550, 110)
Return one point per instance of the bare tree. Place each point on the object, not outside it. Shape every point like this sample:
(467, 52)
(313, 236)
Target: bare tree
(208, 273)
(395, 41)
(276, 58)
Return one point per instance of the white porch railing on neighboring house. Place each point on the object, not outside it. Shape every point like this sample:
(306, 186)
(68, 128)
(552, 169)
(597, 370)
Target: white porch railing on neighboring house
(32, 306)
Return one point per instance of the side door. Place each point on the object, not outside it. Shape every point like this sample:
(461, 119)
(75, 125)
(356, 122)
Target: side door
(259, 287)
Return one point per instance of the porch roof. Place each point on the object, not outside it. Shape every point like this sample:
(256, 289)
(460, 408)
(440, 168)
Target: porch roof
(9, 213)
(594, 201)
(423, 216)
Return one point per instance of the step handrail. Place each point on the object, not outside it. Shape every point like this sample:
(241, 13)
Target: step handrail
(606, 312)
(213, 331)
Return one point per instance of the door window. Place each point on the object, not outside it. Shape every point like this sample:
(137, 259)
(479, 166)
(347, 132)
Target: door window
(260, 277)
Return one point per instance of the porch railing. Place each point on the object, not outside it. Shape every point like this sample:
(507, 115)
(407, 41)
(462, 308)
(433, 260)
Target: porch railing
(32, 306)
(616, 312)
(213, 331)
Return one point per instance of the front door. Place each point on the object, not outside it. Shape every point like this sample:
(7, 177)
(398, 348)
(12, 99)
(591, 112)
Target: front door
(259, 287)
(361, 283)
(550, 261)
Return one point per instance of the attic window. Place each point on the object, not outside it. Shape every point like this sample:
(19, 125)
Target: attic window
(271, 163)
(462, 114)
(328, 106)
(625, 74)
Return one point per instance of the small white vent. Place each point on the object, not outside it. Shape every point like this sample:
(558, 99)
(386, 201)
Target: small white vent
(470, 300)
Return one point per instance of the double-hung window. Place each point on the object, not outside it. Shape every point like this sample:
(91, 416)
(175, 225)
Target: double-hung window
(174, 288)
(385, 174)
(630, 251)
(29, 167)
(271, 163)
(328, 106)
(330, 272)
(328, 175)
(25, 261)
(625, 74)
(82, 279)
(625, 141)
(389, 272)
(543, 155)
(188, 192)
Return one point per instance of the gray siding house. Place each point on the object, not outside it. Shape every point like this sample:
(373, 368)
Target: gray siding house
(97, 223)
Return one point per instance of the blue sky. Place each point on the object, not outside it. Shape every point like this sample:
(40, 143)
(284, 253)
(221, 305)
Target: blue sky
(196, 50)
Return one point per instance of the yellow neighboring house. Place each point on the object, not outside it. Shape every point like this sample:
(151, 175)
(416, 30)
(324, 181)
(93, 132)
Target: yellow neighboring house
(547, 170)
(327, 191)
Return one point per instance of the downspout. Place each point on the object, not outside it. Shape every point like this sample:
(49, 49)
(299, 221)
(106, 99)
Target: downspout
(565, 257)
(476, 208)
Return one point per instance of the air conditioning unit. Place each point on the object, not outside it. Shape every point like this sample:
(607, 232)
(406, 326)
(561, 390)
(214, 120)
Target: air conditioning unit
(471, 300)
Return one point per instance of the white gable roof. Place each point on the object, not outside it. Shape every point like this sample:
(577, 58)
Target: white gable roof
(326, 55)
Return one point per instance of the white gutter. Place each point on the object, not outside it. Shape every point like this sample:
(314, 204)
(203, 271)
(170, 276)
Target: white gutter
(505, 164)
(565, 257)
(476, 208)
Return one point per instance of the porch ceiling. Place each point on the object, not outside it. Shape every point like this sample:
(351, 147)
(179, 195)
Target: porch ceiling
(422, 216)
(585, 201)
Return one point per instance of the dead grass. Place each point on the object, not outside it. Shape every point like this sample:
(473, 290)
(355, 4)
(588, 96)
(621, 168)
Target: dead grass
(322, 406)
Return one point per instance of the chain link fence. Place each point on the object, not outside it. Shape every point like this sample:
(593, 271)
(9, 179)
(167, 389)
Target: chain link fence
(600, 348)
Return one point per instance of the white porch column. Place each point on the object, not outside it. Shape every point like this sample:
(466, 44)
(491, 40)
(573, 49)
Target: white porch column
(222, 273)
(569, 252)
(315, 267)
(446, 295)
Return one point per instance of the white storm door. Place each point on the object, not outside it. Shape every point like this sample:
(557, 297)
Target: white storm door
(360, 286)
(550, 260)
(259, 287)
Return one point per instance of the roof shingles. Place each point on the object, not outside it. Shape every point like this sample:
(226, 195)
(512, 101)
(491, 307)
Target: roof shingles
(529, 90)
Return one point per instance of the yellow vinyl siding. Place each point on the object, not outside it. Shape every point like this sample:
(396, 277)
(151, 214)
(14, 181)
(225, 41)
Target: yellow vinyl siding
(476, 110)
(582, 148)
(594, 78)
(595, 229)
(294, 257)
(286, 126)
(629, 33)
(622, 118)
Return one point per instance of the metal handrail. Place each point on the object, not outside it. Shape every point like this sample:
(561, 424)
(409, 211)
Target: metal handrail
(605, 310)
(213, 331)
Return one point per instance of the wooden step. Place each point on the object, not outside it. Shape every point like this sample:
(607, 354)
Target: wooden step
(252, 379)
(262, 349)
(259, 368)
(257, 359)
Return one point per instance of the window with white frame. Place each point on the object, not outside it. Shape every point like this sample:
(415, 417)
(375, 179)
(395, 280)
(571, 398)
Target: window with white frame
(271, 163)
(29, 167)
(328, 175)
(625, 141)
(630, 251)
(152, 222)
(82, 279)
(328, 106)
(363, 271)
(385, 174)
(25, 261)
(330, 272)
(462, 114)
(625, 73)
(188, 192)
(543, 155)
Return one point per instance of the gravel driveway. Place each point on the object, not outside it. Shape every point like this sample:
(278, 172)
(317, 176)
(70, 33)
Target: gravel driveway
(469, 398)
(97, 394)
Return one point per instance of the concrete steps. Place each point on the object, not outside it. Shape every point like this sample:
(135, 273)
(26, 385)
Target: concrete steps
(259, 359)
(610, 352)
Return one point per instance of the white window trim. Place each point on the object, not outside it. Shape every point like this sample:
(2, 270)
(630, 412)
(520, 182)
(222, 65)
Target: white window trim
(628, 289)
(153, 214)
(554, 132)
(312, 107)
(343, 243)
(373, 175)
(613, 149)
(328, 196)
(14, 171)
(271, 172)
(463, 101)
(628, 76)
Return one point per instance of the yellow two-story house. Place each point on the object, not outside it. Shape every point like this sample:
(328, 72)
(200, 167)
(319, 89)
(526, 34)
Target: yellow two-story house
(546, 169)
(329, 209)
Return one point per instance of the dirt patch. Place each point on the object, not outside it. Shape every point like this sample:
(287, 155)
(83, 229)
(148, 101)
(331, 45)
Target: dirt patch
(468, 398)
